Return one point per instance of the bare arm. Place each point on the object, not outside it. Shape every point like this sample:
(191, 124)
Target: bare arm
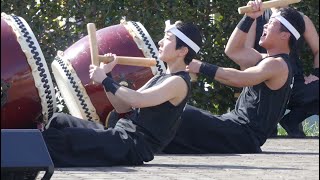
(237, 49)
(166, 91)
(312, 38)
(125, 99)
(240, 50)
(272, 71)
(119, 105)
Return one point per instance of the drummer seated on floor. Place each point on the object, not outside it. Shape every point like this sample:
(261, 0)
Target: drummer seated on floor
(155, 111)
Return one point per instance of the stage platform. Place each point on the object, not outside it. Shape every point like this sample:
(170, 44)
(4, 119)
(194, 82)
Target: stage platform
(282, 158)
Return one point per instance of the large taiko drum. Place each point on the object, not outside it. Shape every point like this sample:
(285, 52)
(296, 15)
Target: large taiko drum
(71, 68)
(27, 92)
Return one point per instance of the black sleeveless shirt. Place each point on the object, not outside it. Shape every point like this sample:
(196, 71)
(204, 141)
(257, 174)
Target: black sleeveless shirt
(296, 62)
(160, 123)
(261, 108)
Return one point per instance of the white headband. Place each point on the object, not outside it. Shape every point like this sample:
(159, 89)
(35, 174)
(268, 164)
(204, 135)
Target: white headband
(173, 29)
(287, 24)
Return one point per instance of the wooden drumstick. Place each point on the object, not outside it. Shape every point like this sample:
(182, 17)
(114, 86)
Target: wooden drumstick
(138, 61)
(267, 5)
(131, 61)
(93, 43)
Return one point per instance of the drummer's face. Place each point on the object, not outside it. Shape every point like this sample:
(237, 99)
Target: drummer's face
(167, 47)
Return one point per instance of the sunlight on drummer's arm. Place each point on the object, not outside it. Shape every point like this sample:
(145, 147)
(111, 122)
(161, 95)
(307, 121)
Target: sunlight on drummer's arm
(119, 105)
(166, 91)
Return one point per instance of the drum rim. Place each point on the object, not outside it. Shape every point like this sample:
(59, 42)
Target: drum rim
(149, 50)
(61, 67)
(40, 72)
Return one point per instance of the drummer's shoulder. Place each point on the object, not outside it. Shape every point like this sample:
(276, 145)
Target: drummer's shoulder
(178, 80)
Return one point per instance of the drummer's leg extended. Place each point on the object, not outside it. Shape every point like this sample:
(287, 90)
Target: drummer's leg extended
(61, 120)
(84, 147)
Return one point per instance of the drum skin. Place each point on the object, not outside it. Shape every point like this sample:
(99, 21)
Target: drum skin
(27, 94)
(87, 100)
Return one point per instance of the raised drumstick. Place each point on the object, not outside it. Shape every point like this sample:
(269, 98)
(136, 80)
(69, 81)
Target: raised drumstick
(267, 5)
(93, 43)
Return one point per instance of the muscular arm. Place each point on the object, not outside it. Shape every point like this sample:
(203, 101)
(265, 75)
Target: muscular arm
(251, 37)
(238, 51)
(272, 71)
(312, 38)
(119, 105)
(166, 91)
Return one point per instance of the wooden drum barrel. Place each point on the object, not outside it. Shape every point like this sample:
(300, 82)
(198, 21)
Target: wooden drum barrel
(27, 92)
(88, 101)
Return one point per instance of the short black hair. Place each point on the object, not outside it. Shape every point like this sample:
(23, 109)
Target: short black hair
(296, 20)
(192, 32)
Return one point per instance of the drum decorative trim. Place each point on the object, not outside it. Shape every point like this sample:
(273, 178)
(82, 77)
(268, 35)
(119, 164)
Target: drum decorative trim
(148, 47)
(36, 61)
(63, 69)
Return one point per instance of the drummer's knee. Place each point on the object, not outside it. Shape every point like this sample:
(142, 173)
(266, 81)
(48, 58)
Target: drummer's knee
(58, 120)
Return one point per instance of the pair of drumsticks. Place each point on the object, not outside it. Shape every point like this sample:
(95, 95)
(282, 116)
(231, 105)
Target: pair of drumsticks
(148, 62)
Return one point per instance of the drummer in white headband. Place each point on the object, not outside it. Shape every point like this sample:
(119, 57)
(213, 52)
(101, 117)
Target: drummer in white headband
(266, 82)
(306, 86)
(152, 113)
(174, 30)
(186, 37)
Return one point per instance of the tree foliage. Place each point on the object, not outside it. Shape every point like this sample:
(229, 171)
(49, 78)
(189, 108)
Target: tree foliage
(58, 24)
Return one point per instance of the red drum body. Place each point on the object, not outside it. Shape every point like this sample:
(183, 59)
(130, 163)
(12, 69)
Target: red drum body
(27, 92)
(71, 68)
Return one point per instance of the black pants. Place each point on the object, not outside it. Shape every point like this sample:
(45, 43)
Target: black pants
(73, 142)
(304, 102)
(202, 132)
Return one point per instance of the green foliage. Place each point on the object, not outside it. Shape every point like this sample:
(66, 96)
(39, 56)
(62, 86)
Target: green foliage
(311, 129)
(281, 131)
(58, 24)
